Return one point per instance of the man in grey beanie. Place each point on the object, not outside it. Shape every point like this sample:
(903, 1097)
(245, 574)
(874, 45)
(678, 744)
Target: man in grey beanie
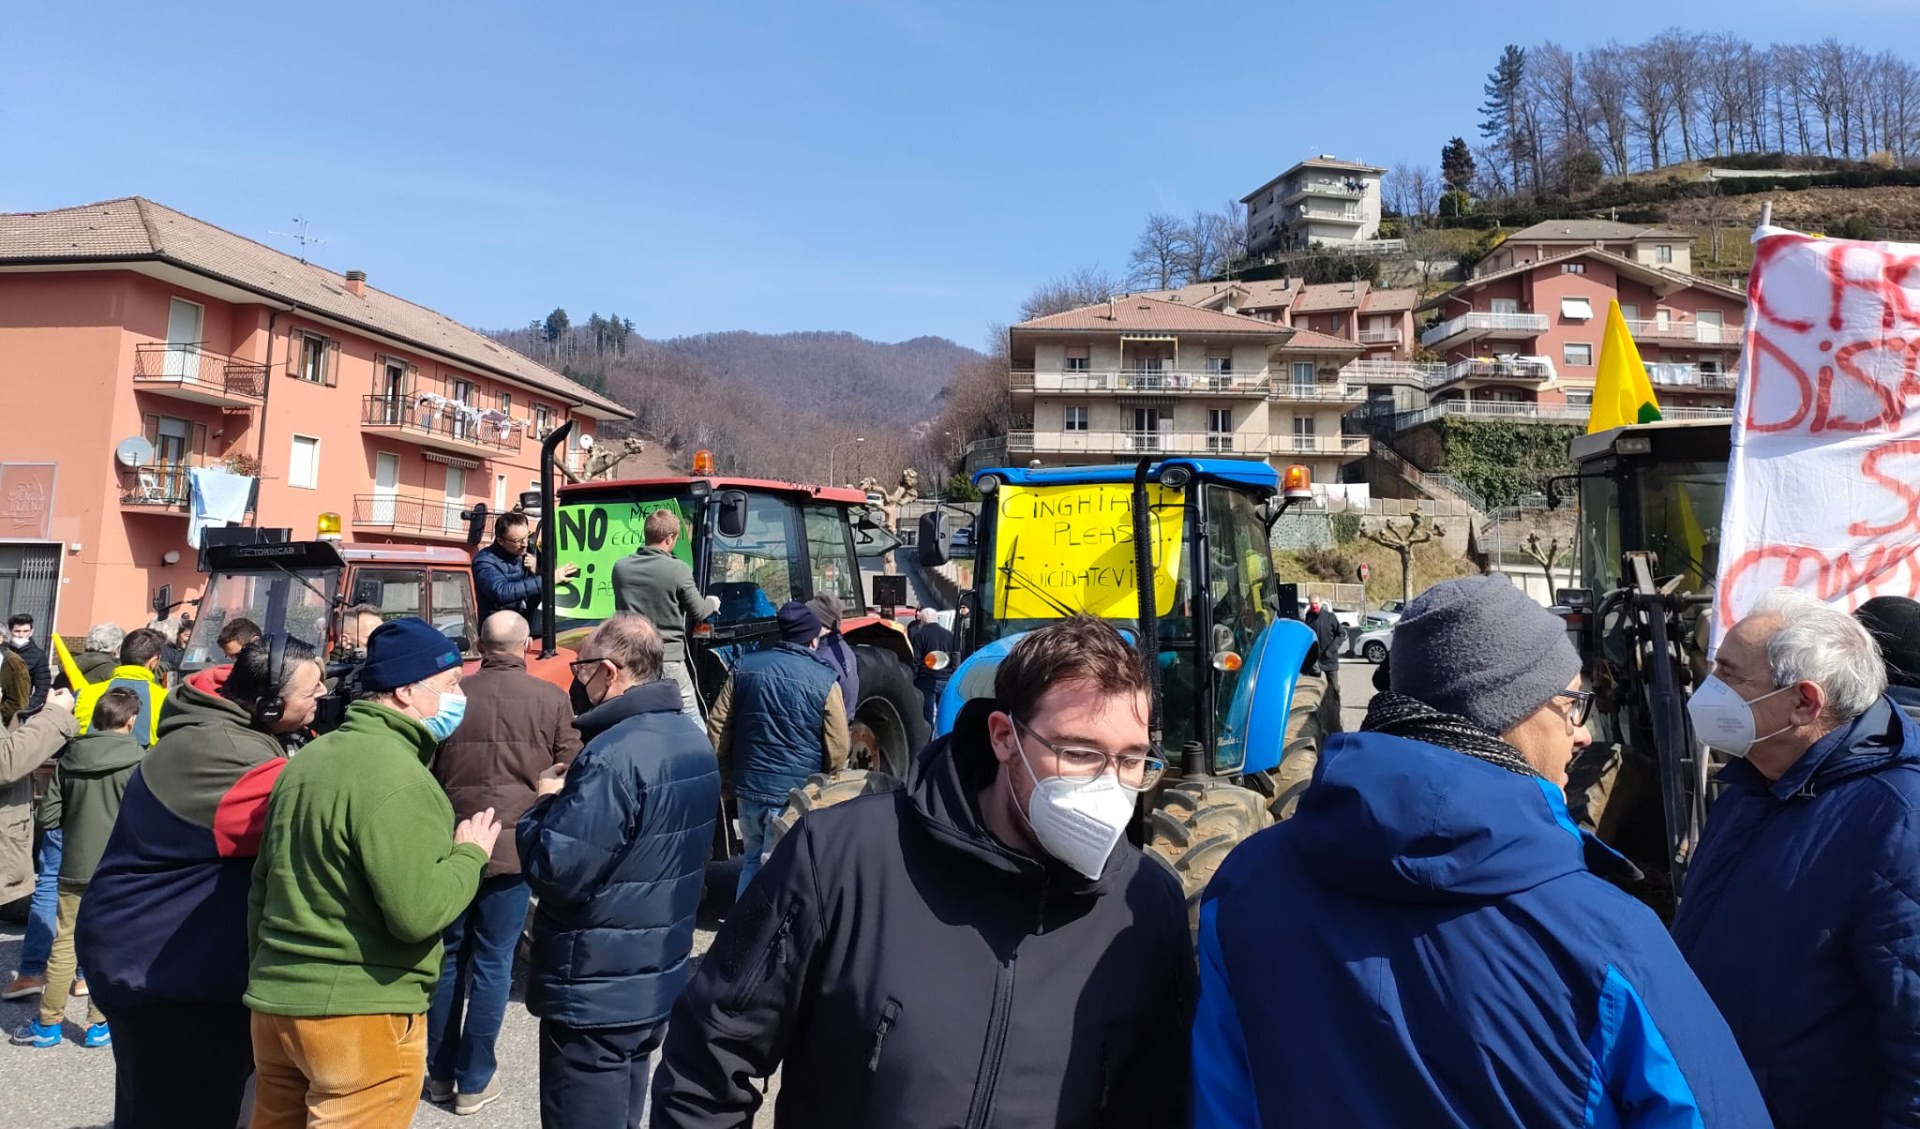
(1430, 914)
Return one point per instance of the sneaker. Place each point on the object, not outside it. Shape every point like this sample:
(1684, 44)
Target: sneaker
(98, 1036)
(34, 1033)
(438, 1092)
(79, 987)
(20, 987)
(466, 1105)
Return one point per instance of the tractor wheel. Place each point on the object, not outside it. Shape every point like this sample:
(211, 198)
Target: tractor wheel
(823, 790)
(889, 726)
(1193, 826)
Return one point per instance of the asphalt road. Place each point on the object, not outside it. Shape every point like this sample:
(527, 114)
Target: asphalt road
(70, 1086)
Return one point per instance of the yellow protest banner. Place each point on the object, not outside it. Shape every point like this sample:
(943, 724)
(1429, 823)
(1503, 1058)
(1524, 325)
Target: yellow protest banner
(1065, 549)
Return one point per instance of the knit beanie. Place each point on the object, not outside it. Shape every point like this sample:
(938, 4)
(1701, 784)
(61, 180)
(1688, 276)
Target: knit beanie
(1482, 649)
(1894, 623)
(829, 608)
(401, 652)
(798, 624)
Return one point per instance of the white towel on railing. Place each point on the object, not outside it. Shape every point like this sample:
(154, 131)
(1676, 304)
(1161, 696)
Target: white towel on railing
(219, 498)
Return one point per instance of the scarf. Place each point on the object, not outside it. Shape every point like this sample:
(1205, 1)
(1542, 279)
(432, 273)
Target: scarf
(1397, 715)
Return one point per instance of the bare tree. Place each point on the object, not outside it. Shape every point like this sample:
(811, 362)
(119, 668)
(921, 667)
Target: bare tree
(1083, 287)
(1548, 558)
(1396, 189)
(1211, 241)
(1605, 84)
(1651, 86)
(1681, 55)
(1559, 106)
(1159, 254)
(1423, 191)
(1401, 541)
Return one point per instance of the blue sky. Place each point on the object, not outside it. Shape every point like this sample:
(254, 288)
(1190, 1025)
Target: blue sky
(889, 167)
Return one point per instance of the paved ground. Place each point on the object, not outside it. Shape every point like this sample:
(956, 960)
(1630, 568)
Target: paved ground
(72, 1087)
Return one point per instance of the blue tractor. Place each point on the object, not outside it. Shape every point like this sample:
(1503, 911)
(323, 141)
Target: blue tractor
(1178, 551)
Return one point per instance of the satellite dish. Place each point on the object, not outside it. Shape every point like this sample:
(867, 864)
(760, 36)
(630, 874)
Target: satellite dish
(134, 452)
(586, 442)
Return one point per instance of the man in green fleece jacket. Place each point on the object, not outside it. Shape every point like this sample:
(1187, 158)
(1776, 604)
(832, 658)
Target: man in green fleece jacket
(360, 869)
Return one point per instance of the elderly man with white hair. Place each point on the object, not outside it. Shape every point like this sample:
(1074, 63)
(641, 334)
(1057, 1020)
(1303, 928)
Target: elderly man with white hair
(1801, 909)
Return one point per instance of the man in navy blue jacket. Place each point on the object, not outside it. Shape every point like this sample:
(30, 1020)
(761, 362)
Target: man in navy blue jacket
(1424, 943)
(616, 851)
(506, 574)
(1799, 911)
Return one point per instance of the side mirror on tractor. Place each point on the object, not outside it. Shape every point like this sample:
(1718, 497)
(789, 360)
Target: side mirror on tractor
(733, 513)
(935, 540)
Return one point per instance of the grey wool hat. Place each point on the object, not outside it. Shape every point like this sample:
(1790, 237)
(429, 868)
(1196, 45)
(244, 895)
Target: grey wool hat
(1482, 649)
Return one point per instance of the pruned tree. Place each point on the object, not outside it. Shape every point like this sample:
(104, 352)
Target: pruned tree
(1159, 253)
(1547, 559)
(1401, 541)
(1084, 287)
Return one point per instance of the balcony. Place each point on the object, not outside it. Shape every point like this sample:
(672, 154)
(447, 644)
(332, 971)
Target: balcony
(1478, 324)
(189, 372)
(433, 426)
(1688, 332)
(1527, 411)
(166, 488)
(1381, 337)
(1690, 378)
(1136, 381)
(1419, 374)
(1322, 215)
(1321, 392)
(1346, 446)
(411, 516)
(1329, 189)
(1181, 443)
(1509, 369)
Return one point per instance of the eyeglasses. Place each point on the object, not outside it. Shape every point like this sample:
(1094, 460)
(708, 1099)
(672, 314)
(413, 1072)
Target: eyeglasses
(1136, 772)
(583, 668)
(1582, 705)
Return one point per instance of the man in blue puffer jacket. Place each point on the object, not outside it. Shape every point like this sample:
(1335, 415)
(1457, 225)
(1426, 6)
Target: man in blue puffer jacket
(1424, 942)
(506, 574)
(1801, 911)
(616, 851)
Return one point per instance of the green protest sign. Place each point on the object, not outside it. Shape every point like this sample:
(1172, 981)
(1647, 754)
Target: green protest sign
(594, 535)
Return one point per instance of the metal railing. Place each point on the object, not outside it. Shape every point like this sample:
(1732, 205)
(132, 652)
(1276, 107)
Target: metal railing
(404, 513)
(1664, 375)
(1351, 445)
(1335, 392)
(1131, 442)
(1396, 372)
(192, 366)
(409, 418)
(1699, 333)
(1527, 411)
(1380, 337)
(169, 486)
(1484, 322)
(1498, 369)
(1331, 188)
(1185, 381)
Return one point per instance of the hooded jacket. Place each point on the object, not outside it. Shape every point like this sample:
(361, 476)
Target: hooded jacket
(903, 967)
(358, 875)
(1423, 944)
(165, 916)
(516, 728)
(84, 797)
(140, 680)
(1800, 915)
(23, 749)
(617, 859)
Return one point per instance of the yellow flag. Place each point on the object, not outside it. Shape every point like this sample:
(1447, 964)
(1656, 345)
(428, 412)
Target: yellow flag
(1622, 394)
(67, 664)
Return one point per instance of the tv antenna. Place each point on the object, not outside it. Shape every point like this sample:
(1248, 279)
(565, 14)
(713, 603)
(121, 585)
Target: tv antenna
(300, 235)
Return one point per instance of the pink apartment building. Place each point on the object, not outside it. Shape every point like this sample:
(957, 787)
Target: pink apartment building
(127, 320)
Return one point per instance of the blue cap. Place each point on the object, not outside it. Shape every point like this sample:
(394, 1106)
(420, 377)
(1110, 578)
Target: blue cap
(798, 623)
(401, 652)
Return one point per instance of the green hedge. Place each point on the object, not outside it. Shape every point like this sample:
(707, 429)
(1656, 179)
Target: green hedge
(1505, 461)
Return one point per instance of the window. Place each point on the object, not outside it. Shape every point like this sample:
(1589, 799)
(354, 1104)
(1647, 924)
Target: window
(1573, 268)
(453, 609)
(1505, 305)
(753, 574)
(316, 359)
(1303, 376)
(1630, 311)
(303, 469)
(1663, 253)
(1076, 419)
(1079, 358)
(1219, 429)
(499, 492)
(395, 591)
(1220, 364)
(455, 500)
(1576, 354)
(506, 403)
(393, 381)
(462, 393)
(1579, 397)
(1576, 309)
(1303, 434)
(542, 421)
(828, 556)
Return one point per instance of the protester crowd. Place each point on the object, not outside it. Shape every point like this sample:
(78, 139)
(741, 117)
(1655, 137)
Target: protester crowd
(1429, 940)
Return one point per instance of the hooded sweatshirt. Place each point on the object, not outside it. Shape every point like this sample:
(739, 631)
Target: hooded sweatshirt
(358, 874)
(84, 797)
(1424, 944)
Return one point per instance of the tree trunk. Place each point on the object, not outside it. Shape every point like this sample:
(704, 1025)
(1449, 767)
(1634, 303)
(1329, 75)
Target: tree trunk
(1406, 576)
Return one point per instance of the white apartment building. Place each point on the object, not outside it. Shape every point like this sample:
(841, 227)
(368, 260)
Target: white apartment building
(1323, 200)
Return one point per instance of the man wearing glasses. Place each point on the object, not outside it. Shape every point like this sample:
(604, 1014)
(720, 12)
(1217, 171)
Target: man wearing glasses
(506, 574)
(1429, 915)
(980, 948)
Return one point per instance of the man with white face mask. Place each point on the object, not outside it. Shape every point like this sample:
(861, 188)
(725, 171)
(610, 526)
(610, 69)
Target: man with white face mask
(980, 948)
(1799, 910)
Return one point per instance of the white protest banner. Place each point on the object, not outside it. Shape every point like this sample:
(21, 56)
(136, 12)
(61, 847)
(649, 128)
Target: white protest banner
(1823, 493)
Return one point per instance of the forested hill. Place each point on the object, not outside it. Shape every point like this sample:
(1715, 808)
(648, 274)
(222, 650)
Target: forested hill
(833, 371)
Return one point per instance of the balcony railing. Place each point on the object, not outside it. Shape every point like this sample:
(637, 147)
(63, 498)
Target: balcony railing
(197, 373)
(1694, 332)
(1351, 446)
(433, 424)
(167, 486)
(1690, 377)
(1527, 411)
(1480, 324)
(1328, 188)
(1380, 337)
(1180, 443)
(1395, 372)
(401, 513)
(1319, 392)
(1498, 368)
(1184, 381)
(1321, 215)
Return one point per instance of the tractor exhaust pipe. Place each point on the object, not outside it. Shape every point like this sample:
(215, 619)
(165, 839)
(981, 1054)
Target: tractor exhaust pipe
(549, 539)
(1143, 585)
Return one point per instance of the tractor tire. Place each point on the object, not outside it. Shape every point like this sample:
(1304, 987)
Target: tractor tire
(1193, 826)
(823, 790)
(889, 726)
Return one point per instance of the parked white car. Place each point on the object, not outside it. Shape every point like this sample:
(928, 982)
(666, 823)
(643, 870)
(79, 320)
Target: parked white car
(1371, 642)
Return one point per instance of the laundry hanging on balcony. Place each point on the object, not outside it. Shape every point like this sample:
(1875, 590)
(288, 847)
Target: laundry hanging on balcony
(220, 498)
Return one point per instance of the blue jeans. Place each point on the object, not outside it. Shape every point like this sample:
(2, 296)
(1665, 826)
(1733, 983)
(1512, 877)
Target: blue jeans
(754, 817)
(463, 1019)
(45, 907)
(930, 691)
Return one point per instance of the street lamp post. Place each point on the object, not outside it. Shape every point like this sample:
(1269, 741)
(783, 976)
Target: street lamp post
(834, 451)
